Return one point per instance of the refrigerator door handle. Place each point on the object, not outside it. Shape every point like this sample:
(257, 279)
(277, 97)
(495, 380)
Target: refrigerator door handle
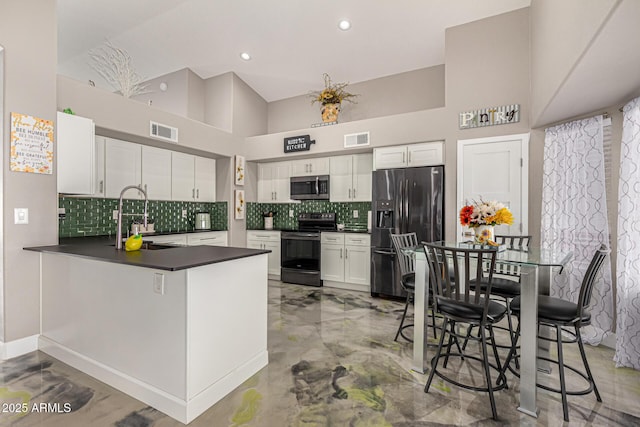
(398, 222)
(384, 252)
(406, 205)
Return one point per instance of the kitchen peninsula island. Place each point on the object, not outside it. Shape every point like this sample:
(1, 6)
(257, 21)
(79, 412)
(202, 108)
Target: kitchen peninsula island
(175, 327)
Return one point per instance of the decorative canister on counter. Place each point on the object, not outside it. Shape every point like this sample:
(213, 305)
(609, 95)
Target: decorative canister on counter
(268, 220)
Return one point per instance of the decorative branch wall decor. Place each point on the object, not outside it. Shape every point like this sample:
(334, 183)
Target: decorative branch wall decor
(115, 66)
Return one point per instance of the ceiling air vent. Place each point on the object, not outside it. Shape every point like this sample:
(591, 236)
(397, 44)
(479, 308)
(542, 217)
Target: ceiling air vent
(165, 132)
(354, 140)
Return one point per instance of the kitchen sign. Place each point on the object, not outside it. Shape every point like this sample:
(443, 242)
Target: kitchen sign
(490, 116)
(297, 143)
(31, 144)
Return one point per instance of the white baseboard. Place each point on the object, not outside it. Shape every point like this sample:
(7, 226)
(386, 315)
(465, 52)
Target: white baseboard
(347, 286)
(11, 349)
(175, 407)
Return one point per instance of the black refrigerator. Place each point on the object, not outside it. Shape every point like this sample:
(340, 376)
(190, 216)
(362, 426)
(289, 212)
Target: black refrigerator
(403, 201)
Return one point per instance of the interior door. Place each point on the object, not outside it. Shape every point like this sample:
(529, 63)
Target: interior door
(496, 169)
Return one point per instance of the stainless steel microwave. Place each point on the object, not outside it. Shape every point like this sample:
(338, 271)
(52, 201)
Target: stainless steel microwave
(310, 187)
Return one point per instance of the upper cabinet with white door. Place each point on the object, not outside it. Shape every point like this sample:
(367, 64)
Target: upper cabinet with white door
(193, 178)
(408, 156)
(123, 167)
(156, 179)
(310, 167)
(350, 178)
(274, 182)
(77, 160)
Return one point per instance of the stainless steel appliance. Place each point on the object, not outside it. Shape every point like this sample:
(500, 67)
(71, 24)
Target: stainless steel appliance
(310, 187)
(300, 250)
(203, 221)
(403, 201)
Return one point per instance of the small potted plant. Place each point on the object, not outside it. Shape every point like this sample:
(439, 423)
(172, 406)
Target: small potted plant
(331, 97)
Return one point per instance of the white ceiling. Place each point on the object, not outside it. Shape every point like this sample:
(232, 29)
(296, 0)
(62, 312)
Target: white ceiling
(292, 42)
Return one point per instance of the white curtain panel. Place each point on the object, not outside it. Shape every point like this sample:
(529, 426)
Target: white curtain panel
(574, 215)
(628, 263)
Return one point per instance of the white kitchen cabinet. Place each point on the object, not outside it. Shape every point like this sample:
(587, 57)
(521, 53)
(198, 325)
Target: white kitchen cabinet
(168, 239)
(156, 179)
(350, 178)
(357, 259)
(209, 238)
(267, 240)
(122, 168)
(205, 179)
(193, 178)
(310, 167)
(413, 155)
(274, 182)
(332, 257)
(77, 168)
(346, 260)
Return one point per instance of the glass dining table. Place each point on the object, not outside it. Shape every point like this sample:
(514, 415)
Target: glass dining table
(536, 266)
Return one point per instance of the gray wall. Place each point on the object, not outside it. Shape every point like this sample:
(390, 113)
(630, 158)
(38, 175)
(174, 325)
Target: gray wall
(218, 101)
(28, 33)
(560, 33)
(416, 90)
(249, 110)
(174, 99)
(195, 97)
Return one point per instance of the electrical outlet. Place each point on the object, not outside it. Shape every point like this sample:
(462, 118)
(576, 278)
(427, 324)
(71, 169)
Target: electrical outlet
(21, 216)
(290, 213)
(158, 283)
(184, 213)
(115, 215)
(355, 214)
(62, 213)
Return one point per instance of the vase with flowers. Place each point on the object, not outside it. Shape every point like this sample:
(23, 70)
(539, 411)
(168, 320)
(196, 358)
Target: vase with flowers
(331, 98)
(483, 216)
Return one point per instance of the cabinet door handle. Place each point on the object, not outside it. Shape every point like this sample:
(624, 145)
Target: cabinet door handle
(197, 193)
(346, 253)
(193, 193)
(101, 186)
(310, 167)
(354, 193)
(403, 157)
(340, 253)
(349, 193)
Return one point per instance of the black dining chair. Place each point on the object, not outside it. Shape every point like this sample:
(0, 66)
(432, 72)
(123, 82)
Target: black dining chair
(451, 270)
(506, 279)
(406, 263)
(558, 313)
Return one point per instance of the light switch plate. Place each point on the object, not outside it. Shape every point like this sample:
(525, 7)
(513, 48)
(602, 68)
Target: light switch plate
(21, 216)
(184, 213)
(158, 283)
(355, 214)
(115, 215)
(290, 213)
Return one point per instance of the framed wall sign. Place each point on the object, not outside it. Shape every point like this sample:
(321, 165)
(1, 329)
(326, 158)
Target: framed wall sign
(31, 144)
(239, 170)
(297, 143)
(239, 204)
(490, 116)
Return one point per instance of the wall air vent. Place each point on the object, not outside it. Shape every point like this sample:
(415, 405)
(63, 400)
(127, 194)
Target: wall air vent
(165, 132)
(354, 140)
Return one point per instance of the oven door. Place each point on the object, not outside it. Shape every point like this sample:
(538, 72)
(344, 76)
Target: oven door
(300, 255)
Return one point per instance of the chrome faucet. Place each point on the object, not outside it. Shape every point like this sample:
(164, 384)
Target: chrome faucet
(146, 205)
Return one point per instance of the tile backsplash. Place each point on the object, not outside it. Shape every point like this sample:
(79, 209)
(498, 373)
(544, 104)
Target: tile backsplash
(94, 216)
(282, 220)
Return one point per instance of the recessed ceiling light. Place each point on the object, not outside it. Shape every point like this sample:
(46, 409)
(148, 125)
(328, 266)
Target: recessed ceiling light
(245, 56)
(344, 25)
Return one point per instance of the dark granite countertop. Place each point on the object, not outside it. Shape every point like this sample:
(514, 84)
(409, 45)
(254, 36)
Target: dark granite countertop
(171, 259)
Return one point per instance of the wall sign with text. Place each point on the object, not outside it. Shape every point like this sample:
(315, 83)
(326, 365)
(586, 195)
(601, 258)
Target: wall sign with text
(31, 144)
(297, 143)
(490, 116)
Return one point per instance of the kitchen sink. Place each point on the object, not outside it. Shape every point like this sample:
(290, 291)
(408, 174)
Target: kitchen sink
(150, 246)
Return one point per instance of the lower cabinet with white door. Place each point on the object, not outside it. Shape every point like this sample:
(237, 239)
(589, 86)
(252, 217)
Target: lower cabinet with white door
(345, 260)
(269, 240)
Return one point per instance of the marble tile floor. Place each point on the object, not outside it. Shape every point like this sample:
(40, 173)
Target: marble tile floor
(332, 362)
